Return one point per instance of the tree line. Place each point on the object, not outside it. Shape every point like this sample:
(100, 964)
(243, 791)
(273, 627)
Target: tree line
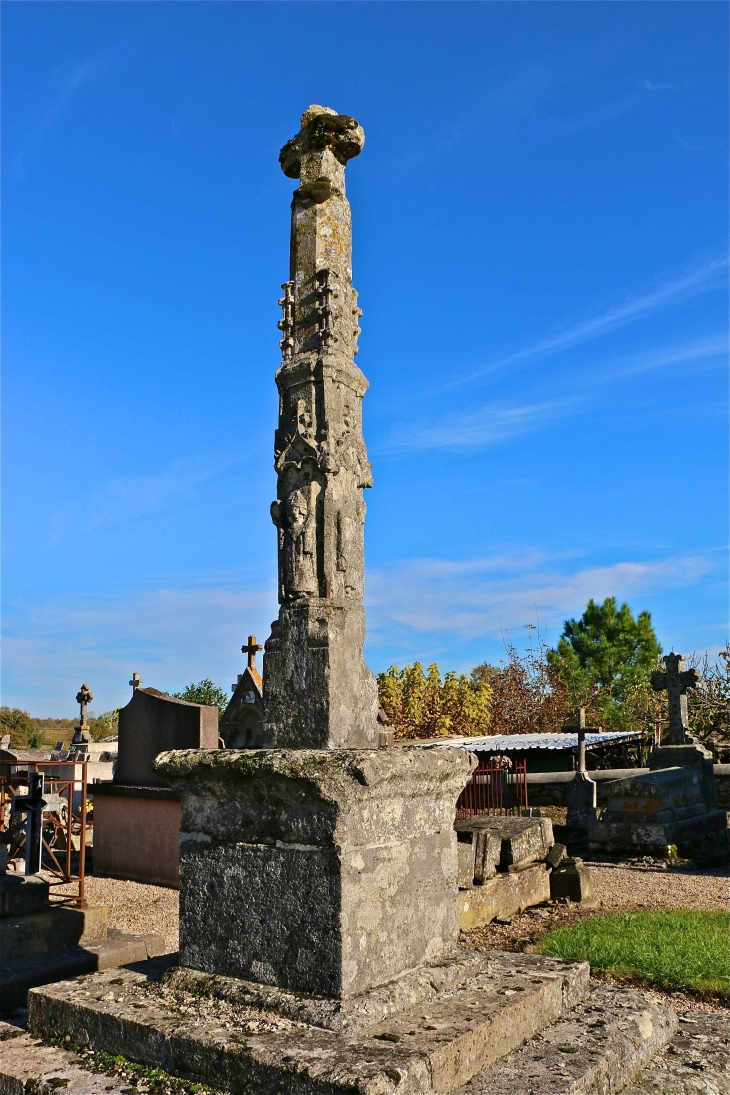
(602, 662)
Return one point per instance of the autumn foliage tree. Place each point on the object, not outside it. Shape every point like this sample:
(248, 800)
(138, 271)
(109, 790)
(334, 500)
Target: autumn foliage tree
(423, 705)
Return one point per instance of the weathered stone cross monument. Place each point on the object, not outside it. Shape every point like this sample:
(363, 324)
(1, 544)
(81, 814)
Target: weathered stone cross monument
(318, 875)
(676, 681)
(318, 692)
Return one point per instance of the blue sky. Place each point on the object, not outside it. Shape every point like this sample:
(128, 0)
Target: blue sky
(540, 240)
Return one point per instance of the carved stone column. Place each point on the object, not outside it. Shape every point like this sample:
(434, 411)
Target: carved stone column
(318, 692)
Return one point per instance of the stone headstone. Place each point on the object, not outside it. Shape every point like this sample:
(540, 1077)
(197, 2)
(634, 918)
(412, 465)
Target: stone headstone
(153, 722)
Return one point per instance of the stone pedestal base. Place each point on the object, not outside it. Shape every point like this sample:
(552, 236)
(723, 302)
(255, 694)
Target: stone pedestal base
(318, 871)
(431, 1033)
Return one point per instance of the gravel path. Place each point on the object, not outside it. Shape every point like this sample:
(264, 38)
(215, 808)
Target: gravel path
(134, 906)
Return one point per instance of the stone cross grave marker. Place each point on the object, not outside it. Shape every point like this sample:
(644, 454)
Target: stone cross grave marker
(581, 791)
(676, 682)
(251, 649)
(136, 681)
(81, 733)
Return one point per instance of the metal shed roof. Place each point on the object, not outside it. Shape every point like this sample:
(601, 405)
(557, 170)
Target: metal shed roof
(504, 743)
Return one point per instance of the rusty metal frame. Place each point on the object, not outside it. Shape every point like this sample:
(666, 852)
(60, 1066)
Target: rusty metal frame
(494, 790)
(63, 787)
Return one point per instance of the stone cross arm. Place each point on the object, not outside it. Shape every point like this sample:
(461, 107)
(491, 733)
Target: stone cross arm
(686, 679)
(321, 128)
(251, 649)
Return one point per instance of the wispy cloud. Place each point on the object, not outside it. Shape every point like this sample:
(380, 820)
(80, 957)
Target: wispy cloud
(128, 498)
(703, 278)
(49, 102)
(475, 598)
(170, 635)
(477, 429)
(494, 423)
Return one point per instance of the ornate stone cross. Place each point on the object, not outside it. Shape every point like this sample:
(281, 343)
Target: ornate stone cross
(250, 649)
(676, 682)
(83, 698)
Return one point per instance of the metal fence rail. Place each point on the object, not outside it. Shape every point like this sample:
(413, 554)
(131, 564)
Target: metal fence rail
(498, 789)
(61, 820)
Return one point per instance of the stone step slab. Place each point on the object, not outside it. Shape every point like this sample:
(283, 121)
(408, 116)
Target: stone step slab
(117, 949)
(28, 1065)
(435, 1047)
(596, 1050)
(697, 1059)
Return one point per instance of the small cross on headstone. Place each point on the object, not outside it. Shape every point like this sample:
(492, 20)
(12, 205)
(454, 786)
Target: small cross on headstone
(251, 649)
(676, 682)
(136, 681)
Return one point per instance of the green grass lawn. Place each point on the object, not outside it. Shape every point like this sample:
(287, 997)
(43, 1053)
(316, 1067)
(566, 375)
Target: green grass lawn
(681, 949)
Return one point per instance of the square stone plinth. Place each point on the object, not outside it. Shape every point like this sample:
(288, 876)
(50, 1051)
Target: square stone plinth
(318, 871)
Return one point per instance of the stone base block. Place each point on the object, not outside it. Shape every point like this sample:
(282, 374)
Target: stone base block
(338, 865)
(503, 895)
(437, 1046)
(21, 894)
(116, 949)
(571, 879)
(36, 933)
(137, 834)
(649, 838)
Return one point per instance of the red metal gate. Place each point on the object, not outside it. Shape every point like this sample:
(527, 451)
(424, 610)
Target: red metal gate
(497, 789)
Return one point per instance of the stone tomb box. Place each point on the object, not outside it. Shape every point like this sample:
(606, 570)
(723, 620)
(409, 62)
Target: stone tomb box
(342, 863)
(137, 814)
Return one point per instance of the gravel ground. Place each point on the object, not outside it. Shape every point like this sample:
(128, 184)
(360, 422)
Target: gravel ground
(617, 887)
(134, 906)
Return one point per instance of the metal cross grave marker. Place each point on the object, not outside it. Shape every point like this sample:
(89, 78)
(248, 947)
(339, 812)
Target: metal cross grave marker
(32, 806)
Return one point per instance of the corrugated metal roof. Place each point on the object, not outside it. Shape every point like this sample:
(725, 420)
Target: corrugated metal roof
(503, 743)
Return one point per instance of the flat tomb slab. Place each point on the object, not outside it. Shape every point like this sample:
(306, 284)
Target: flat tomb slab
(436, 1046)
(648, 837)
(57, 926)
(503, 895)
(21, 893)
(116, 949)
